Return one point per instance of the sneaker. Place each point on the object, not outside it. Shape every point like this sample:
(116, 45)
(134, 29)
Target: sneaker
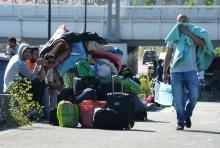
(188, 123)
(180, 127)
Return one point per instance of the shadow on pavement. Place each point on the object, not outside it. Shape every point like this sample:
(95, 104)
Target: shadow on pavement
(154, 121)
(3, 129)
(7, 128)
(201, 131)
(139, 130)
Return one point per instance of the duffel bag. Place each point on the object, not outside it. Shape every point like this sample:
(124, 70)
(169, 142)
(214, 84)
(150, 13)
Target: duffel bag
(68, 114)
(107, 119)
(87, 108)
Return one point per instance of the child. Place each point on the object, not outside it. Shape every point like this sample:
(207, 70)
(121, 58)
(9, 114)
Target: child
(53, 84)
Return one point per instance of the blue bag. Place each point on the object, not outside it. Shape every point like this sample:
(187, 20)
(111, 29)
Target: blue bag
(164, 96)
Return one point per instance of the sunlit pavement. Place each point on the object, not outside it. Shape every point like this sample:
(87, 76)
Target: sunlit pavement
(158, 132)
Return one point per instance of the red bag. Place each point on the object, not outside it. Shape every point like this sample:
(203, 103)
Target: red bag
(114, 58)
(149, 99)
(87, 108)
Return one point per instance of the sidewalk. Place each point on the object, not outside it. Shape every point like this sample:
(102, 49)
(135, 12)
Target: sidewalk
(158, 132)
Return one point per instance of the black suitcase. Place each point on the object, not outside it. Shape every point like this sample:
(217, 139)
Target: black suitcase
(140, 109)
(123, 103)
(107, 119)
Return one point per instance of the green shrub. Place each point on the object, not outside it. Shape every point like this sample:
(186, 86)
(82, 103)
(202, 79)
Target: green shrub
(217, 51)
(145, 85)
(22, 109)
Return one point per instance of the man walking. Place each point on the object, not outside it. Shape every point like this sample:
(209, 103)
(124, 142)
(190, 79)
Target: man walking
(185, 42)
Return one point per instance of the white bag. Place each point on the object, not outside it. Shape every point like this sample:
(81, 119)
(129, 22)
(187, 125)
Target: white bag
(163, 94)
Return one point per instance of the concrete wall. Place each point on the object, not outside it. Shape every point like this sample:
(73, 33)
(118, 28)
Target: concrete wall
(4, 106)
(136, 23)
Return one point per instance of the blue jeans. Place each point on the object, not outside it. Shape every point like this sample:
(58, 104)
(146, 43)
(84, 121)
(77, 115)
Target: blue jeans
(185, 89)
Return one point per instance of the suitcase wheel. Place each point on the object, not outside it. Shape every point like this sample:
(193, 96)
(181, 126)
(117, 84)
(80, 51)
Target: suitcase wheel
(128, 127)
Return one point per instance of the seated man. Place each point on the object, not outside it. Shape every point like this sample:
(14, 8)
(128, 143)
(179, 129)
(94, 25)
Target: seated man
(12, 47)
(17, 65)
(31, 63)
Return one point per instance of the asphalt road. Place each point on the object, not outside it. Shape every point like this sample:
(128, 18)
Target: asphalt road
(158, 132)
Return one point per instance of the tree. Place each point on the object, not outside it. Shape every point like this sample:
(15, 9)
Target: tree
(190, 2)
(149, 2)
(170, 2)
(204, 2)
(209, 2)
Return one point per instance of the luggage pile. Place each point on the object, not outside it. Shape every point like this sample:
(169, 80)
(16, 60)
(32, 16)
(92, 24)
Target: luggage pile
(90, 72)
(118, 111)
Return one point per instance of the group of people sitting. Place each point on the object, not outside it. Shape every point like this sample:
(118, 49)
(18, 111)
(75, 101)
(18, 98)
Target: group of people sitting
(42, 73)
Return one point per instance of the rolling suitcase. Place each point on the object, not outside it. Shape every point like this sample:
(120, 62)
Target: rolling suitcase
(123, 103)
(140, 109)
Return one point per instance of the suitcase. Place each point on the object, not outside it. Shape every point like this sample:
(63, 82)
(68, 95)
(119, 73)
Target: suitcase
(140, 109)
(123, 103)
(106, 119)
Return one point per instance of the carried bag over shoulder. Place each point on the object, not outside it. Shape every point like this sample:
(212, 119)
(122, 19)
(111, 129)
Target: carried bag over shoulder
(68, 114)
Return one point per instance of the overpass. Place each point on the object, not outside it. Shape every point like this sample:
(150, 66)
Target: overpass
(138, 25)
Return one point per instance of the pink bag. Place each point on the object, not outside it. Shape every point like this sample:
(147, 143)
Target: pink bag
(149, 99)
(87, 108)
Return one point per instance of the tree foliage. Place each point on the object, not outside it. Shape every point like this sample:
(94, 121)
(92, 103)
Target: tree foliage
(170, 2)
(209, 2)
(190, 2)
(149, 2)
(145, 85)
(173, 2)
(217, 51)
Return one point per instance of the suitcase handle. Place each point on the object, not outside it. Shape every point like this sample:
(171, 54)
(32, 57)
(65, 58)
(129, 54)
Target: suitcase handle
(75, 81)
(119, 78)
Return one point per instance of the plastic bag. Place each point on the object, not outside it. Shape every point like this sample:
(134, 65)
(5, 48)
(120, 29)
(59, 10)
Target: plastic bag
(164, 95)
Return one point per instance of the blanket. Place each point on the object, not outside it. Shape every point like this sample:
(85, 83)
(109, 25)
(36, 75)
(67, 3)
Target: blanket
(204, 55)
